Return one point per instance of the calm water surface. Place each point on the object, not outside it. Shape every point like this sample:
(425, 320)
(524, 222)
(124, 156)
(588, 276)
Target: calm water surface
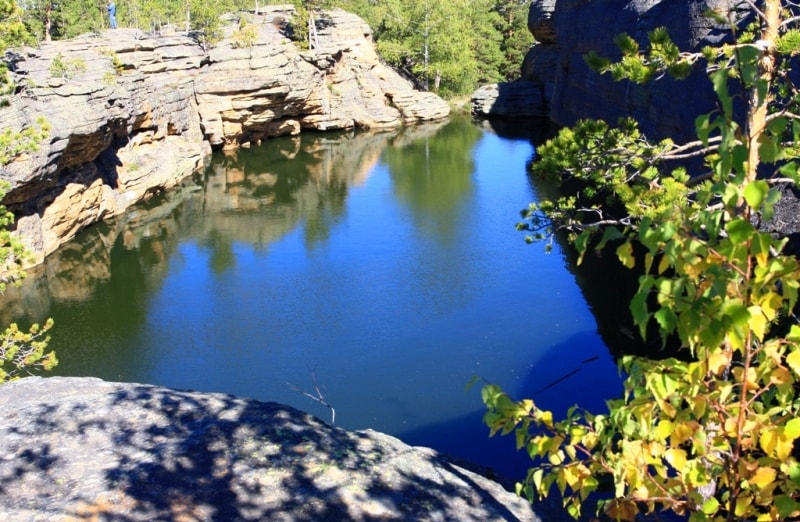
(384, 268)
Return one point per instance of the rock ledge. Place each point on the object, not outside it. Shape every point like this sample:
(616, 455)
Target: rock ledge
(82, 448)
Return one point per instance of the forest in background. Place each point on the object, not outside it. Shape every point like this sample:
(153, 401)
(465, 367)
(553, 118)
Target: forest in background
(446, 46)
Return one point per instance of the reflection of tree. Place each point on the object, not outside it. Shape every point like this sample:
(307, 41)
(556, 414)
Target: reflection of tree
(222, 257)
(434, 176)
(328, 211)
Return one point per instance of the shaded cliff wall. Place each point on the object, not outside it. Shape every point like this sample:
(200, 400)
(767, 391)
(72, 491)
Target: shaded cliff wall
(568, 29)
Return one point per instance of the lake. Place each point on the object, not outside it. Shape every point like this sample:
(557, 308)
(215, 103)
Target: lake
(382, 270)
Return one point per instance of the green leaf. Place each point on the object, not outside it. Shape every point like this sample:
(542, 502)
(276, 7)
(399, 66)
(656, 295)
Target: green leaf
(769, 150)
(755, 193)
(703, 127)
(719, 80)
(640, 312)
(740, 230)
(786, 506)
(794, 472)
(710, 506)
(666, 319)
(792, 428)
(790, 171)
(748, 63)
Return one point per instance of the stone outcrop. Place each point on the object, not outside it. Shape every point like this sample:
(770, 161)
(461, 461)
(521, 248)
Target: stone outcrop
(522, 99)
(133, 113)
(85, 449)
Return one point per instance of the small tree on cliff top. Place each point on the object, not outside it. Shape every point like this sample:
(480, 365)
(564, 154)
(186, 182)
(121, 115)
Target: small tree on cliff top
(712, 437)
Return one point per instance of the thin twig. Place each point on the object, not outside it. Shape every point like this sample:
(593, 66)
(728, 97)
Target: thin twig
(318, 397)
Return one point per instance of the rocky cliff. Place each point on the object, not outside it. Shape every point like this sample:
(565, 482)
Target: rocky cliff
(565, 89)
(133, 113)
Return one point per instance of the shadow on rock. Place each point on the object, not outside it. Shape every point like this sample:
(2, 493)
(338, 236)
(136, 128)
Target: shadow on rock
(86, 448)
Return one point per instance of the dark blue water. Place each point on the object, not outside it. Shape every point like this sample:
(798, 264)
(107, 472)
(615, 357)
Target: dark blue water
(383, 269)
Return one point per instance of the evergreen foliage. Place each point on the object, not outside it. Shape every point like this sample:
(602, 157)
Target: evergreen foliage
(712, 436)
(446, 46)
(449, 47)
(20, 351)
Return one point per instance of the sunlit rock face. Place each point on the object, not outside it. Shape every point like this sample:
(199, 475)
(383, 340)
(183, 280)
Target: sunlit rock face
(132, 114)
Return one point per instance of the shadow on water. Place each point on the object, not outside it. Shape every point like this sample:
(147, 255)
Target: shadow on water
(607, 286)
(148, 453)
(576, 361)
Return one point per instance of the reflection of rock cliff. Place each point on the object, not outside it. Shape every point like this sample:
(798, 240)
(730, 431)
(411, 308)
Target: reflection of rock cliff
(132, 114)
(256, 196)
(259, 195)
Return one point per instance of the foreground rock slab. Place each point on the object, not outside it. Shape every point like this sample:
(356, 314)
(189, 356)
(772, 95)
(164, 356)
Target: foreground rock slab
(86, 449)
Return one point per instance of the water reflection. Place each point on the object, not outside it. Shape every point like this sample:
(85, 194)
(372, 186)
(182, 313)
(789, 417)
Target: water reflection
(385, 264)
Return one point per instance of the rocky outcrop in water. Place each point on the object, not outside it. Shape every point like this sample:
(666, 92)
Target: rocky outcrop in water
(85, 449)
(510, 100)
(133, 113)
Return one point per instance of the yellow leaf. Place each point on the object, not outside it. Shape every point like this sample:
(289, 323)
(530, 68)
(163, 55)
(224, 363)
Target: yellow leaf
(589, 440)
(676, 458)
(700, 404)
(768, 442)
(742, 505)
(572, 476)
(556, 458)
(527, 405)
(641, 494)
(625, 254)
(683, 432)
(731, 426)
(664, 429)
(757, 323)
(772, 351)
(663, 264)
(777, 443)
(748, 377)
(770, 304)
(793, 360)
(763, 477)
(547, 419)
(784, 448)
(718, 361)
(781, 375)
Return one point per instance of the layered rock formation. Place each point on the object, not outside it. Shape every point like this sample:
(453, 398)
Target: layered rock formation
(134, 113)
(85, 449)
